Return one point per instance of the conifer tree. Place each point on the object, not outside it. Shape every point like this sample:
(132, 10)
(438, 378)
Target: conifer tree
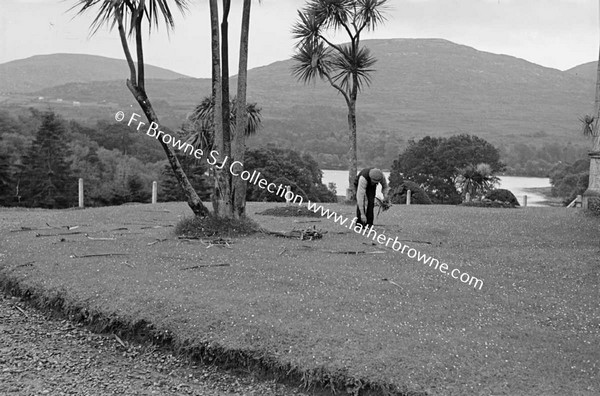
(46, 180)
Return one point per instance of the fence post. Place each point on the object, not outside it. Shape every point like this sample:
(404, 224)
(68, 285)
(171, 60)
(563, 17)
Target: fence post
(81, 192)
(154, 191)
(525, 200)
(408, 197)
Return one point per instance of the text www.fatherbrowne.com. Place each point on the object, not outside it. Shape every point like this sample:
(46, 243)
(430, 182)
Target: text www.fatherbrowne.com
(236, 169)
(370, 232)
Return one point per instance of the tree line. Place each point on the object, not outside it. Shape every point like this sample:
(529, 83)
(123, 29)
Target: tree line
(42, 156)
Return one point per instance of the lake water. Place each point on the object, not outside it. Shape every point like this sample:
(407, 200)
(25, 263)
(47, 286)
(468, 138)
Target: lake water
(515, 184)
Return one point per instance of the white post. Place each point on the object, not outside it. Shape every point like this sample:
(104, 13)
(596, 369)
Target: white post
(154, 192)
(408, 196)
(524, 201)
(81, 192)
(467, 197)
(288, 189)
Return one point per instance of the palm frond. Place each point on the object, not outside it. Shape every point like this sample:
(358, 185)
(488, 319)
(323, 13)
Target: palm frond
(311, 61)
(253, 115)
(588, 122)
(331, 13)
(346, 64)
(107, 14)
(371, 13)
(202, 121)
(306, 29)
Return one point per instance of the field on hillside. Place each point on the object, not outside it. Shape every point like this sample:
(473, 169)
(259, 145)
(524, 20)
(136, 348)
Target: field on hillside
(340, 310)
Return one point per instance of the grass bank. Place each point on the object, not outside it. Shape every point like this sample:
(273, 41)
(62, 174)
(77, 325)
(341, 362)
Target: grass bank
(313, 312)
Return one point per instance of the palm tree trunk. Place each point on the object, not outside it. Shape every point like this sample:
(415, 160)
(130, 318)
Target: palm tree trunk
(217, 198)
(226, 207)
(352, 157)
(192, 197)
(239, 139)
(139, 93)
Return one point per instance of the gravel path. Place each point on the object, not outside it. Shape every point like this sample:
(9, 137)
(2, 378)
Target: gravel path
(44, 356)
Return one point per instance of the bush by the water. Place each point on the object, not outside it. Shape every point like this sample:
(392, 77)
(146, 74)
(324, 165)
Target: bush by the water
(418, 196)
(215, 226)
(502, 195)
(570, 180)
(594, 205)
(289, 211)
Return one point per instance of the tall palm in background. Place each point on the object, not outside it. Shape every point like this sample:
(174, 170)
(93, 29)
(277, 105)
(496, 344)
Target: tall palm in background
(128, 16)
(347, 67)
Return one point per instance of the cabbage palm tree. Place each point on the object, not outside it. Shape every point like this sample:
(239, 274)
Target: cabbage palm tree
(346, 67)
(128, 16)
(476, 180)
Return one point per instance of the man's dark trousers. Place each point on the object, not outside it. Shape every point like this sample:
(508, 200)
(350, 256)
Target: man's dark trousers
(370, 198)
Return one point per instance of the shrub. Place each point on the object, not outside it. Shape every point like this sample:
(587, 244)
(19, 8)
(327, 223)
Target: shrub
(488, 204)
(418, 195)
(594, 205)
(215, 226)
(502, 195)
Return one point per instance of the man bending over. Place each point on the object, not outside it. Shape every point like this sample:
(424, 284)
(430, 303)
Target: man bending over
(366, 188)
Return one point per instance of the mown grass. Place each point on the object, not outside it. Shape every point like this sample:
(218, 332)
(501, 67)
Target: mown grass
(298, 306)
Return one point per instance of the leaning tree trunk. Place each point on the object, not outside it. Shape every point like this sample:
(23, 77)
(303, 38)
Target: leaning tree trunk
(593, 189)
(352, 156)
(217, 197)
(193, 200)
(239, 139)
(136, 86)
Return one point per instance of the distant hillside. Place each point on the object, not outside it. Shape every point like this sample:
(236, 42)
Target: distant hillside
(420, 87)
(587, 71)
(44, 71)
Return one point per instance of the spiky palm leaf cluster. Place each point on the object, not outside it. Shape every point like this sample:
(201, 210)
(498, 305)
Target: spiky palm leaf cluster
(202, 121)
(110, 10)
(346, 67)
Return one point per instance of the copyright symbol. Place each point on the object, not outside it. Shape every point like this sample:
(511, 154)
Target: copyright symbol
(119, 116)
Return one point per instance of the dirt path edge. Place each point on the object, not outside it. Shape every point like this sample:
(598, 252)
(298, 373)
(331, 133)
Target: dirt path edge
(318, 381)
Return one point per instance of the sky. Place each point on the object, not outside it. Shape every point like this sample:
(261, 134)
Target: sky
(552, 33)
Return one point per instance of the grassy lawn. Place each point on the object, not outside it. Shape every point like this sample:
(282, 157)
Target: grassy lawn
(532, 329)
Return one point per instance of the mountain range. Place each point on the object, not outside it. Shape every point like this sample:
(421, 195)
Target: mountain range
(420, 87)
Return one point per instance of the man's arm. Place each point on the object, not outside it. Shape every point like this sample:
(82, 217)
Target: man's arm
(361, 193)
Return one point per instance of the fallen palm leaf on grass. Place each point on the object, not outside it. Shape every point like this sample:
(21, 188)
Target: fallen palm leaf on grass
(157, 241)
(392, 282)
(59, 233)
(307, 234)
(97, 255)
(205, 265)
(99, 239)
(343, 251)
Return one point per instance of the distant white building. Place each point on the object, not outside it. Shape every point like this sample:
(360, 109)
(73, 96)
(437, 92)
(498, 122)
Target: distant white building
(40, 98)
(59, 100)
(76, 103)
